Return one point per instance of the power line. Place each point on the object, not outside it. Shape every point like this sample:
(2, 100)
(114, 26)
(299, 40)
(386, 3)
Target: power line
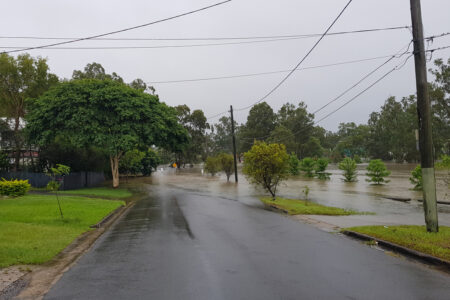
(301, 61)
(365, 77)
(271, 72)
(121, 30)
(396, 68)
(266, 40)
(310, 35)
(298, 64)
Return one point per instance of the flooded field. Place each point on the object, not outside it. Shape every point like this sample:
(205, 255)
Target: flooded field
(359, 195)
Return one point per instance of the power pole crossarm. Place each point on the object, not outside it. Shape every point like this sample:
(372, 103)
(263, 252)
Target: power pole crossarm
(424, 114)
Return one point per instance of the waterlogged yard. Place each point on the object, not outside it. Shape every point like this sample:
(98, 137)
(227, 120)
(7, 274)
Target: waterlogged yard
(32, 230)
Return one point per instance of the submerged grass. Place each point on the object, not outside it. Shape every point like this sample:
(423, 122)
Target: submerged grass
(413, 237)
(302, 207)
(32, 231)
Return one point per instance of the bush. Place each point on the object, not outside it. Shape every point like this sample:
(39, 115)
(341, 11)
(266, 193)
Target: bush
(307, 166)
(348, 165)
(150, 162)
(294, 164)
(320, 167)
(416, 178)
(14, 188)
(226, 164)
(266, 165)
(377, 171)
(212, 165)
(357, 159)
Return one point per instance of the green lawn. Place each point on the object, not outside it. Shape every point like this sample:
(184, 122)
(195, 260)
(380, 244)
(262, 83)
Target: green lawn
(413, 237)
(302, 207)
(100, 192)
(31, 229)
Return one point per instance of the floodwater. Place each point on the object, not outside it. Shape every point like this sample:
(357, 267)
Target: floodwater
(360, 195)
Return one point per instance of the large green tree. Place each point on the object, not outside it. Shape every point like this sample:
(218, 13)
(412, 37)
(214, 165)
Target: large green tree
(261, 121)
(106, 114)
(196, 125)
(21, 78)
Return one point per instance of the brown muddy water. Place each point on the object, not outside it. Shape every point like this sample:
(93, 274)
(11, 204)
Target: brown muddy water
(360, 195)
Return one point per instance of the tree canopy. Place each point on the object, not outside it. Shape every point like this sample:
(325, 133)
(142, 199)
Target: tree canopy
(105, 114)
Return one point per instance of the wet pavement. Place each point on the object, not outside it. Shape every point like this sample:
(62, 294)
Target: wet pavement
(198, 237)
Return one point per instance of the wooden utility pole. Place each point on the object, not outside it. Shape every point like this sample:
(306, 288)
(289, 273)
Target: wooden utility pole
(424, 113)
(234, 144)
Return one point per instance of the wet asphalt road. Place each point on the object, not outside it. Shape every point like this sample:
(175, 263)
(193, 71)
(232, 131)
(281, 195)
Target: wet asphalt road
(177, 244)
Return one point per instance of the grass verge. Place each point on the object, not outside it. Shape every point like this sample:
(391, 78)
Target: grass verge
(100, 192)
(413, 237)
(32, 231)
(302, 207)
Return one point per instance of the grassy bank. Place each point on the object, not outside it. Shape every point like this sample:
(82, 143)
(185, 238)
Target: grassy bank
(302, 207)
(413, 237)
(32, 231)
(100, 192)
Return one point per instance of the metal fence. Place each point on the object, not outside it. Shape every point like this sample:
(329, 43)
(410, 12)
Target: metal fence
(72, 181)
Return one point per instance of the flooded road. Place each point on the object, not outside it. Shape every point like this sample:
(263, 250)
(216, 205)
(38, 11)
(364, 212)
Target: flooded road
(197, 237)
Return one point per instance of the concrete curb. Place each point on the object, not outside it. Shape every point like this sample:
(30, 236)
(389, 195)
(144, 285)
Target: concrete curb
(426, 258)
(108, 217)
(275, 209)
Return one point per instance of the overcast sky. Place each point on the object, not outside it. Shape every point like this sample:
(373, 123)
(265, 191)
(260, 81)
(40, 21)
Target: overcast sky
(239, 18)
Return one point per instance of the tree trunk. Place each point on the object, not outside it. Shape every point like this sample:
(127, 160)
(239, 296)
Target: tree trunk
(115, 169)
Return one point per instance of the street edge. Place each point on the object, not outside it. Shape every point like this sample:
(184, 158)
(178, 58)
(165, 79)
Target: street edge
(426, 258)
(62, 262)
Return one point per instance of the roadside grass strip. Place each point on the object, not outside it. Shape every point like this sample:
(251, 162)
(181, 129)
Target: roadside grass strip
(302, 207)
(412, 237)
(32, 231)
(100, 192)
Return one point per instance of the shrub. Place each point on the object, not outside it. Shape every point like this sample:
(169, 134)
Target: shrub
(226, 164)
(377, 171)
(212, 165)
(307, 166)
(150, 162)
(294, 164)
(348, 165)
(357, 159)
(320, 167)
(266, 165)
(14, 188)
(416, 178)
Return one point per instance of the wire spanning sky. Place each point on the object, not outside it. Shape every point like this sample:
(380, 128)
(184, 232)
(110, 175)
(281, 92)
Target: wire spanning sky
(238, 18)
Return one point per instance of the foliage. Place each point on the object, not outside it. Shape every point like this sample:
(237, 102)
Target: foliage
(320, 168)
(221, 136)
(348, 165)
(226, 164)
(150, 162)
(307, 165)
(14, 188)
(54, 184)
(32, 233)
(212, 165)
(4, 162)
(21, 78)
(131, 162)
(301, 207)
(260, 123)
(306, 192)
(266, 165)
(195, 124)
(377, 171)
(413, 237)
(416, 178)
(357, 159)
(107, 115)
(294, 164)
